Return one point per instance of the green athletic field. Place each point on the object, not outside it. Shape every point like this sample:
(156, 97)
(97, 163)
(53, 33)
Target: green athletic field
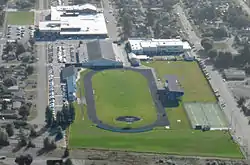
(20, 18)
(180, 139)
(123, 93)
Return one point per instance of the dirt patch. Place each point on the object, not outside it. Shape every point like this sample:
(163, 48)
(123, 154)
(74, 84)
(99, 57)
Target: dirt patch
(131, 158)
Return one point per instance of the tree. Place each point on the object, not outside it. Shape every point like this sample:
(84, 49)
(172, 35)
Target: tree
(212, 53)
(24, 111)
(68, 162)
(220, 32)
(59, 133)
(32, 41)
(207, 43)
(60, 118)
(25, 59)
(241, 101)
(31, 144)
(46, 143)
(49, 116)
(49, 144)
(150, 17)
(23, 140)
(168, 4)
(205, 13)
(127, 25)
(33, 132)
(30, 70)
(66, 153)
(20, 49)
(8, 82)
(224, 60)
(24, 160)
(10, 129)
(71, 113)
(66, 114)
(4, 140)
(157, 30)
(4, 105)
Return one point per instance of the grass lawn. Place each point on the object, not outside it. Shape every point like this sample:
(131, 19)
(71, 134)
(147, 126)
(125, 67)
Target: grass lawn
(180, 139)
(20, 18)
(196, 87)
(123, 93)
(83, 134)
(220, 45)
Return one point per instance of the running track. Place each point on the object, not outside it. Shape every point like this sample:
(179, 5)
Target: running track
(91, 109)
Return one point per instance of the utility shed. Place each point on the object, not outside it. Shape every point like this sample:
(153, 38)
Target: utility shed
(234, 74)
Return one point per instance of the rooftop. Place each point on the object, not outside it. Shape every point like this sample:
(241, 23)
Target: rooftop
(68, 71)
(75, 22)
(138, 44)
(173, 83)
(100, 49)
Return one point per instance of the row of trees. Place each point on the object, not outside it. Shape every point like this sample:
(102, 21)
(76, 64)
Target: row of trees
(63, 118)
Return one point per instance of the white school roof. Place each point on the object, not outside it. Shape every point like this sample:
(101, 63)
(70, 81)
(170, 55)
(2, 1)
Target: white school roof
(138, 44)
(88, 23)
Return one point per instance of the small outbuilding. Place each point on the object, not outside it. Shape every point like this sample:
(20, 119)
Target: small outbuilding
(234, 74)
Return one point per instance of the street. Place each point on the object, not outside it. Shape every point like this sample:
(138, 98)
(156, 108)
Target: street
(111, 22)
(239, 124)
(42, 96)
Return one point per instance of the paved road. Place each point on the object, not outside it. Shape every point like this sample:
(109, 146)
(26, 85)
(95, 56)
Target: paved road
(111, 25)
(239, 121)
(42, 95)
(188, 27)
(161, 120)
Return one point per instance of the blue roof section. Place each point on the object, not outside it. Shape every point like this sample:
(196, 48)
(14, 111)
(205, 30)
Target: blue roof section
(173, 84)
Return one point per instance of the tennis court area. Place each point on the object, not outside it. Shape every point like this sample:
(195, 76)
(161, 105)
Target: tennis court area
(206, 114)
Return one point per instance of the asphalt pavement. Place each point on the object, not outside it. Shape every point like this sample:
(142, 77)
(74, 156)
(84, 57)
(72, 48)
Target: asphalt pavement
(108, 12)
(187, 26)
(42, 94)
(239, 124)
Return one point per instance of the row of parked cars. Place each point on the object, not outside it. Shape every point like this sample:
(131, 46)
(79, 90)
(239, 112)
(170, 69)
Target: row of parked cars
(50, 53)
(204, 69)
(51, 90)
(61, 54)
(20, 31)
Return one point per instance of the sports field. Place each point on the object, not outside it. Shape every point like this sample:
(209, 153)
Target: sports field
(20, 18)
(180, 139)
(123, 93)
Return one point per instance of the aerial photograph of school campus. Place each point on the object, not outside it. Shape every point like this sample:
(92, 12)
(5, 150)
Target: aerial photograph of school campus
(125, 82)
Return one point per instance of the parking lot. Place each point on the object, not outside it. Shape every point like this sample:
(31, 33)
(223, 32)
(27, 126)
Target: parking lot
(22, 33)
(58, 54)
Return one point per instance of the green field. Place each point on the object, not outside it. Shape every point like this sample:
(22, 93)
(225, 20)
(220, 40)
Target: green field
(20, 18)
(180, 139)
(117, 96)
(196, 87)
